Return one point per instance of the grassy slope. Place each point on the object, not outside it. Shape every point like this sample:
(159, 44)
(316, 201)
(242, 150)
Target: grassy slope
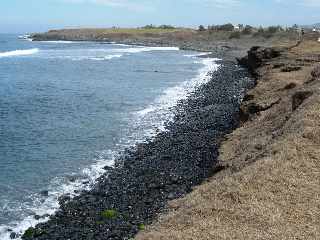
(111, 34)
(178, 36)
(270, 189)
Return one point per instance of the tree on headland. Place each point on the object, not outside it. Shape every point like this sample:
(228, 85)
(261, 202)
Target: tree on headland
(225, 27)
(166, 27)
(201, 28)
(247, 29)
(151, 26)
(274, 29)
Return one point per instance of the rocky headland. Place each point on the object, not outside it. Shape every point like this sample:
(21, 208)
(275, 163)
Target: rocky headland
(228, 45)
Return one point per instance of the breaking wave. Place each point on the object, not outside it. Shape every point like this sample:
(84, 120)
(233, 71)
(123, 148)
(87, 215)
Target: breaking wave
(19, 52)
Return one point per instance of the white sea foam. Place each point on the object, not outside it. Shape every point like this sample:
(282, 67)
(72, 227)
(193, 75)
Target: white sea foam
(159, 112)
(98, 58)
(58, 187)
(148, 120)
(101, 54)
(25, 37)
(143, 49)
(19, 53)
(120, 44)
(60, 41)
(198, 54)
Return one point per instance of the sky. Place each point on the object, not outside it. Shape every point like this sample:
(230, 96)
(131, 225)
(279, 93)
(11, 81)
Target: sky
(41, 15)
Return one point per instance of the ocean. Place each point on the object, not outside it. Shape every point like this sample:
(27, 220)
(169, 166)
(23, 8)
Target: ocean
(67, 109)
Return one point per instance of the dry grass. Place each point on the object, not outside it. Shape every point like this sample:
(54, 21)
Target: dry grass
(271, 189)
(117, 33)
(127, 30)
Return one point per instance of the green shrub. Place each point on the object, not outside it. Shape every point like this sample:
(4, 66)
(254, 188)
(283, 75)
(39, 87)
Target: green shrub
(32, 233)
(141, 227)
(109, 214)
(29, 233)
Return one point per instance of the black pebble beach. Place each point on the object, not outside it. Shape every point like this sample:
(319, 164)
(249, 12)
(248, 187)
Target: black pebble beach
(146, 177)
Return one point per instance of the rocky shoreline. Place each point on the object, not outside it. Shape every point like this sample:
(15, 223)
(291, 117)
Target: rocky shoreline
(146, 177)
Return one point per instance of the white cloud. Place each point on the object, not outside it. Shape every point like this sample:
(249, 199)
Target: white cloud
(116, 3)
(143, 5)
(302, 3)
(219, 3)
(311, 3)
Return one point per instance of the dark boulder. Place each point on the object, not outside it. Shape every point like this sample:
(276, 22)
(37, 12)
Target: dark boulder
(291, 68)
(257, 56)
(299, 97)
(316, 72)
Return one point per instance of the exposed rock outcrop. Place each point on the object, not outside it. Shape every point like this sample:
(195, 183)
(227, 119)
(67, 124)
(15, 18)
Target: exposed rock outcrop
(257, 56)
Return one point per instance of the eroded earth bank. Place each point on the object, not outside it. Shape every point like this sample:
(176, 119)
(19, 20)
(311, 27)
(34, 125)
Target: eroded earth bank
(269, 188)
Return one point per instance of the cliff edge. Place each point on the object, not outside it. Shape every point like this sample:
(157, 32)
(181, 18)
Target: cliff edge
(269, 188)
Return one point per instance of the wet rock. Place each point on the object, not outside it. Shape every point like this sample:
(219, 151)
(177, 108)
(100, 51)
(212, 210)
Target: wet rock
(290, 86)
(107, 168)
(63, 199)
(45, 193)
(14, 235)
(72, 178)
(248, 97)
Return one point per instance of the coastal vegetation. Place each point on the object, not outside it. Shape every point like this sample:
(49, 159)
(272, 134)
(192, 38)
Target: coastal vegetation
(109, 214)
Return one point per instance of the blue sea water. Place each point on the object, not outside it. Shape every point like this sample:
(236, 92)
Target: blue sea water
(68, 108)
